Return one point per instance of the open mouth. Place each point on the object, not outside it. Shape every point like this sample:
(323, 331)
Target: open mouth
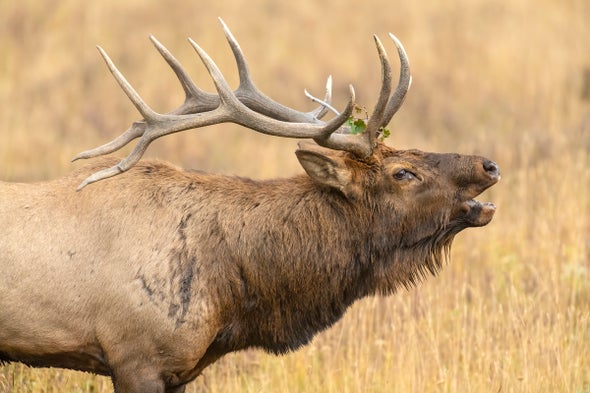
(476, 213)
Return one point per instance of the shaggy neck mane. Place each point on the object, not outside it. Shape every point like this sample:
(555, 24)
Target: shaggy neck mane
(286, 287)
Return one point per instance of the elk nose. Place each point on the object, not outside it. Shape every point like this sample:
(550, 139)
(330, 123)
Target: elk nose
(491, 168)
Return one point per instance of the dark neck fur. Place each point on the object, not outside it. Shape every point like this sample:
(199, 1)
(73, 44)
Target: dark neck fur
(311, 254)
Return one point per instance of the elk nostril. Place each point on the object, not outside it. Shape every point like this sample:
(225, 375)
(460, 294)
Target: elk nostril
(491, 168)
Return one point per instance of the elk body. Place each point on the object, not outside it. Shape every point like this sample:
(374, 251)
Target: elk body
(152, 275)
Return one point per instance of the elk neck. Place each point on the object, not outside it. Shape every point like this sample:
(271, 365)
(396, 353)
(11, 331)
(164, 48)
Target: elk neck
(292, 256)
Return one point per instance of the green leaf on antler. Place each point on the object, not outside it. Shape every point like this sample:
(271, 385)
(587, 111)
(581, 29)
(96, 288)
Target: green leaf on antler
(385, 133)
(357, 126)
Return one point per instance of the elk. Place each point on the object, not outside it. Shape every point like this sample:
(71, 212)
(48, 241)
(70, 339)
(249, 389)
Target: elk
(154, 273)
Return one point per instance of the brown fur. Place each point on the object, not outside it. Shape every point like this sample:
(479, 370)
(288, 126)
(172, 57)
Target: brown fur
(154, 274)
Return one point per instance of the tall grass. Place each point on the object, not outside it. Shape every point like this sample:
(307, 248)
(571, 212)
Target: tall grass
(508, 80)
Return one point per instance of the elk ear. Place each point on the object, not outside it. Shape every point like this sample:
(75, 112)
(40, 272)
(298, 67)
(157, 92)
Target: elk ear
(327, 167)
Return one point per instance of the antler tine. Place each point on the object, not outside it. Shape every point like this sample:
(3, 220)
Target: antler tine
(196, 99)
(375, 120)
(133, 132)
(147, 112)
(243, 71)
(325, 106)
(252, 97)
(405, 81)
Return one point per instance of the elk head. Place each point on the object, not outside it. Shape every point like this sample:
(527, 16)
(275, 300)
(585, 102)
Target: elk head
(429, 195)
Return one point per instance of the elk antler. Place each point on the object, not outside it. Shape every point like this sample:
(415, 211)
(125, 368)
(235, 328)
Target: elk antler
(249, 107)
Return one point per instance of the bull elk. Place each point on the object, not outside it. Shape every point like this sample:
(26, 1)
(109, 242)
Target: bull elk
(152, 275)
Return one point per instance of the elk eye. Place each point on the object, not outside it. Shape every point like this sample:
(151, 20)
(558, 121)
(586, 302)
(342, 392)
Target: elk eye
(403, 174)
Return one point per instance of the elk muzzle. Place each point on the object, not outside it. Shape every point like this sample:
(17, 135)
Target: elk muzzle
(474, 213)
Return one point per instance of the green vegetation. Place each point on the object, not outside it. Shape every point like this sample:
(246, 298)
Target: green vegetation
(507, 80)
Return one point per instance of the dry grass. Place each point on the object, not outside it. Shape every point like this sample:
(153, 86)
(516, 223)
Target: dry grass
(509, 80)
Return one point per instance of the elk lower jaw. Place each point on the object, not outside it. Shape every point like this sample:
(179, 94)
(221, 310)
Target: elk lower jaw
(476, 213)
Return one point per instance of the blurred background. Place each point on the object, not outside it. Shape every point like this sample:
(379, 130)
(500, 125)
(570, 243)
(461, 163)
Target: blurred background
(507, 80)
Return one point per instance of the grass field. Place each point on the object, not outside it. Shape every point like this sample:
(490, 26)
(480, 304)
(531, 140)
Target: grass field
(508, 80)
